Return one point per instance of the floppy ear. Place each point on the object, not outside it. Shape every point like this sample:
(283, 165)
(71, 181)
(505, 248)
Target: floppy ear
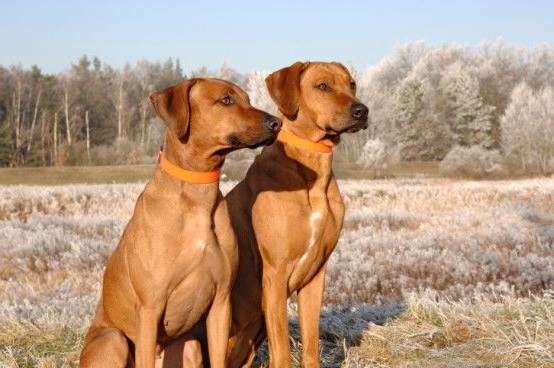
(284, 88)
(172, 106)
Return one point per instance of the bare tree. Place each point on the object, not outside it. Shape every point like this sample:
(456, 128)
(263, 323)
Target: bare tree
(66, 104)
(35, 113)
(88, 136)
(16, 109)
(144, 74)
(55, 137)
(43, 138)
(119, 97)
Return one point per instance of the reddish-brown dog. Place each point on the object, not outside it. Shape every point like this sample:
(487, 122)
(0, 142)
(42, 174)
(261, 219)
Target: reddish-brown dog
(171, 267)
(288, 213)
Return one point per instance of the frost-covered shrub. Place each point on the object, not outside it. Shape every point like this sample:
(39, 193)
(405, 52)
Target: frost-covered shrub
(458, 238)
(376, 157)
(472, 162)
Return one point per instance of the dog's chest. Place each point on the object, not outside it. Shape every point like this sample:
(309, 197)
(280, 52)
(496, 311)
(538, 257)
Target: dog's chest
(190, 292)
(190, 295)
(323, 228)
(187, 303)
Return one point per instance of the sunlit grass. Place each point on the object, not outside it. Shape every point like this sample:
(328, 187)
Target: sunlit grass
(24, 344)
(480, 333)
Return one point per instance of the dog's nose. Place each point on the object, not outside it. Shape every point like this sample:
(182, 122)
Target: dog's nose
(359, 111)
(273, 123)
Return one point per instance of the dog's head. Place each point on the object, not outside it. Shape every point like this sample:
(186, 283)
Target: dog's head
(214, 115)
(320, 93)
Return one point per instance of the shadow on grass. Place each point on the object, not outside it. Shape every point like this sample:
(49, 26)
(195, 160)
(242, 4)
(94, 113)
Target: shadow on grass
(340, 328)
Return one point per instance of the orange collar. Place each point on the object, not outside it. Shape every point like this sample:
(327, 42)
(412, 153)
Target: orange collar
(196, 177)
(291, 139)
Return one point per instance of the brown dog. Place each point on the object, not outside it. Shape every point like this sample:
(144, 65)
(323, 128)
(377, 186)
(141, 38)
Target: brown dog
(288, 213)
(171, 268)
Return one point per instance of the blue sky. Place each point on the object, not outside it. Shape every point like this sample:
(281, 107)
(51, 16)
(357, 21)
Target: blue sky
(252, 35)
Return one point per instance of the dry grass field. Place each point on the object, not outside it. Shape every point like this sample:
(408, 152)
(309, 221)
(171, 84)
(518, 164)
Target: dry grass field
(75, 175)
(428, 272)
(234, 168)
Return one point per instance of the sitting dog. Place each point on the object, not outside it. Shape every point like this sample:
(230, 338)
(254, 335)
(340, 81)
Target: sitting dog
(288, 213)
(177, 257)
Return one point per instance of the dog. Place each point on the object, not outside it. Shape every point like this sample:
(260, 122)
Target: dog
(288, 213)
(176, 260)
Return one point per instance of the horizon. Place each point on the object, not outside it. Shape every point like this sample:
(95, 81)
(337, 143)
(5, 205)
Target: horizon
(248, 36)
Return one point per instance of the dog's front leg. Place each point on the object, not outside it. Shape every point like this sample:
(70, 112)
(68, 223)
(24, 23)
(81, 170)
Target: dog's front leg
(218, 324)
(309, 309)
(274, 296)
(147, 331)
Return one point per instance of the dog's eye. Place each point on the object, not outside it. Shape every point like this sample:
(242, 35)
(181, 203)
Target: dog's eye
(353, 86)
(323, 86)
(227, 100)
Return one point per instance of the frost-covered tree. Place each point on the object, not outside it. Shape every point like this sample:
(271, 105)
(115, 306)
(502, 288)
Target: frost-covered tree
(434, 62)
(419, 134)
(230, 74)
(239, 161)
(540, 71)
(528, 130)
(469, 118)
(257, 91)
(460, 86)
(378, 84)
(496, 66)
(407, 112)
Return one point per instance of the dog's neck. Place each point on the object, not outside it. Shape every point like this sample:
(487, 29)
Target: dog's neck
(310, 165)
(192, 193)
(313, 133)
(190, 157)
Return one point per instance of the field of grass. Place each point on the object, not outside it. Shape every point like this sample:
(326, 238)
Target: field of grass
(427, 273)
(75, 175)
(135, 173)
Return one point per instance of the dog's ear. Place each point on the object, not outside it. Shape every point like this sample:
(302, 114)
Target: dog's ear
(284, 88)
(173, 107)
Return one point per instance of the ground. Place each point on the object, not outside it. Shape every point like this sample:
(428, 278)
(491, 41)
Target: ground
(427, 273)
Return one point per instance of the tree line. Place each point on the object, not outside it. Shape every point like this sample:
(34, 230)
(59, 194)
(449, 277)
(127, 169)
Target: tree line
(490, 105)
(482, 111)
(90, 114)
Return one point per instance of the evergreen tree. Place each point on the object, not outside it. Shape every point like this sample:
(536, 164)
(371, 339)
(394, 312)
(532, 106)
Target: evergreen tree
(419, 134)
(6, 145)
(469, 118)
(407, 109)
